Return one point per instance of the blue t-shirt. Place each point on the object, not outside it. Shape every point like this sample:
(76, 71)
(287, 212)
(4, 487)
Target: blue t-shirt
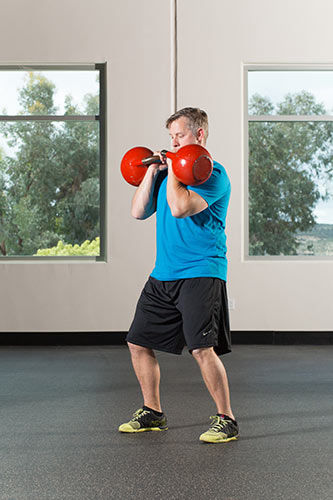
(194, 246)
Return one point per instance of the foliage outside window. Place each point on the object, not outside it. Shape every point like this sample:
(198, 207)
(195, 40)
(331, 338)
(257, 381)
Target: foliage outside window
(51, 162)
(290, 163)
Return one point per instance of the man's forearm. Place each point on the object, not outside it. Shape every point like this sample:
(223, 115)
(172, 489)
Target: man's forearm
(143, 203)
(177, 195)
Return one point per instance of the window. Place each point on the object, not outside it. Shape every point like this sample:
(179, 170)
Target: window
(52, 161)
(289, 154)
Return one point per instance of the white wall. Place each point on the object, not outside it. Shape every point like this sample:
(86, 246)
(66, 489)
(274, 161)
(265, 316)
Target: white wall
(214, 38)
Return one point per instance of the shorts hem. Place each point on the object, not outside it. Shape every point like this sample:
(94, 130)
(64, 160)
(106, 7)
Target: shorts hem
(216, 348)
(201, 347)
(154, 348)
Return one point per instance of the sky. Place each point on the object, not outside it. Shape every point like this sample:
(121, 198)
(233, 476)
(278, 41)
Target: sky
(276, 84)
(74, 83)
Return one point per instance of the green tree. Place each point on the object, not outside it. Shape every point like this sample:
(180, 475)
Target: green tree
(4, 207)
(50, 185)
(78, 159)
(286, 161)
(88, 248)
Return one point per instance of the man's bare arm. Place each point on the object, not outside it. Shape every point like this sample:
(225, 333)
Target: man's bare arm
(182, 201)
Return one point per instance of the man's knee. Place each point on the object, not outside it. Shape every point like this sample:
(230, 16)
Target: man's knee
(203, 353)
(138, 349)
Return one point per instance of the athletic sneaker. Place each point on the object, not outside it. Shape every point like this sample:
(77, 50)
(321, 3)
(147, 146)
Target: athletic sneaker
(222, 430)
(144, 420)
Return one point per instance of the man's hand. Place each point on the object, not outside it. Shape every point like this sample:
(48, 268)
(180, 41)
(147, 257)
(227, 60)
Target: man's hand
(159, 167)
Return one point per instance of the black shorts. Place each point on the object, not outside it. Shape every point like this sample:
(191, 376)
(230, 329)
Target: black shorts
(172, 314)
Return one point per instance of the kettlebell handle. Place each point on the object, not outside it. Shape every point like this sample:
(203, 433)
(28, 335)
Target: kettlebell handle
(153, 159)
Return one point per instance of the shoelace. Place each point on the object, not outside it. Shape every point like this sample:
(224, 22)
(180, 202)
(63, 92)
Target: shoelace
(139, 413)
(219, 424)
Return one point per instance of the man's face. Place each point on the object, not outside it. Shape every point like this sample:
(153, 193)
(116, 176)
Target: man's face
(181, 135)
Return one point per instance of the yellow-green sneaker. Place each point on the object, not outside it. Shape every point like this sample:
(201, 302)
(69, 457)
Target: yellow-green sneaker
(144, 420)
(222, 430)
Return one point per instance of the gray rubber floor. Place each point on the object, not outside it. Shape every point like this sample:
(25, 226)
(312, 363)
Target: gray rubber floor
(61, 407)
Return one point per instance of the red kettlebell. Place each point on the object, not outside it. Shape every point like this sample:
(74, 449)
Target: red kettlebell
(132, 168)
(192, 164)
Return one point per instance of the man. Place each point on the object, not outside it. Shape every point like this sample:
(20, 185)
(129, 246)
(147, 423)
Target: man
(184, 300)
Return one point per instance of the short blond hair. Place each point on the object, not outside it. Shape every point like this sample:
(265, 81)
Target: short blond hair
(197, 118)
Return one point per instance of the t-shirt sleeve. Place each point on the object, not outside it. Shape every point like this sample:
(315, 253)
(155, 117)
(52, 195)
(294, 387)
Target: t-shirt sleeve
(215, 187)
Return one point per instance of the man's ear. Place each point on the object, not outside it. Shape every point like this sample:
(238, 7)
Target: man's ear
(201, 136)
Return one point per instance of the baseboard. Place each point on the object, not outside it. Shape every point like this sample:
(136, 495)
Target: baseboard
(63, 338)
(282, 338)
(118, 338)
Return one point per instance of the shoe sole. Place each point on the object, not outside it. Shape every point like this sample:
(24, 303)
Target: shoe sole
(207, 440)
(145, 429)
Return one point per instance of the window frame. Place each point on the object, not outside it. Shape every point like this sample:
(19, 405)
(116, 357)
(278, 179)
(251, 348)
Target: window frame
(101, 118)
(246, 68)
